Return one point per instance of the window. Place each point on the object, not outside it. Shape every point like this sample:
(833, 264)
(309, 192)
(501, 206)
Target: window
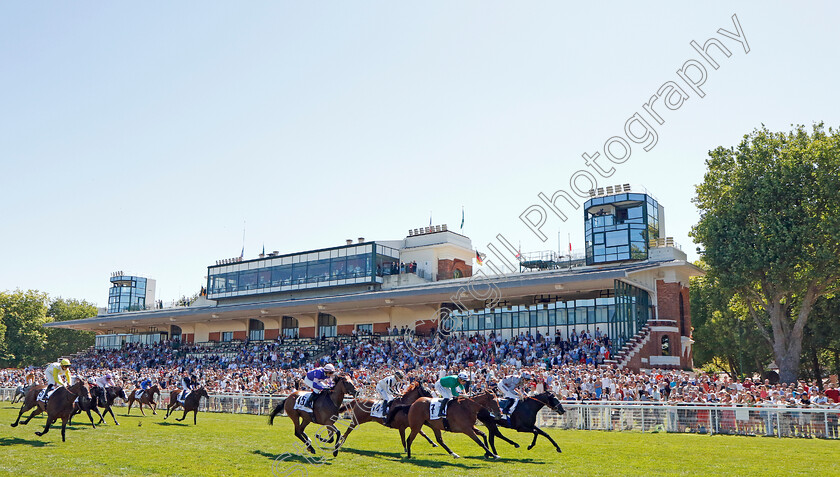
(365, 329)
(227, 336)
(666, 346)
(326, 325)
(290, 327)
(256, 330)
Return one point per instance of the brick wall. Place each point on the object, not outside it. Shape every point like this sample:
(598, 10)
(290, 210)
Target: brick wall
(240, 335)
(306, 332)
(447, 267)
(188, 337)
(271, 334)
(215, 336)
(345, 330)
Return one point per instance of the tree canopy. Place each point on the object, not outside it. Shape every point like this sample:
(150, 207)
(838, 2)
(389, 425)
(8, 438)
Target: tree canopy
(770, 226)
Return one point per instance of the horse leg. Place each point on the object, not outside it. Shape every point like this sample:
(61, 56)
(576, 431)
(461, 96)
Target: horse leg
(439, 439)
(402, 437)
(534, 442)
(23, 409)
(483, 436)
(541, 432)
(337, 441)
(495, 432)
(182, 417)
(153, 405)
(427, 438)
(64, 426)
(107, 410)
(128, 411)
(471, 434)
(140, 405)
(37, 411)
(101, 417)
(89, 417)
(195, 412)
(50, 420)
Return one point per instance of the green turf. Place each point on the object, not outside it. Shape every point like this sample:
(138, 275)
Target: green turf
(224, 444)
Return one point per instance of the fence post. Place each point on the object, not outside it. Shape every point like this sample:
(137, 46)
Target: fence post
(643, 419)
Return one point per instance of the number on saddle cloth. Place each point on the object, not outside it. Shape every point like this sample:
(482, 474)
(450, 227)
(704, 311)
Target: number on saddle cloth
(46, 397)
(300, 403)
(437, 408)
(378, 410)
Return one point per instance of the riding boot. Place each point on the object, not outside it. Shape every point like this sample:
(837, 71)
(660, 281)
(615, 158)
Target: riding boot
(385, 407)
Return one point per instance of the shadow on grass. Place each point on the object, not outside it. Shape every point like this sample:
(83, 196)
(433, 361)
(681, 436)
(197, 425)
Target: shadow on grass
(170, 423)
(504, 459)
(15, 441)
(312, 459)
(400, 457)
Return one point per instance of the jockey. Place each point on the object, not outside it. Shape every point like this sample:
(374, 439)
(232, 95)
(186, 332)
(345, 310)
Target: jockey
(450, 386)
(140, 386)
(30, 377)
(318, 379)
(188, 384)
(389, 388)
(105, 381)
(57, 373)
(510, 387)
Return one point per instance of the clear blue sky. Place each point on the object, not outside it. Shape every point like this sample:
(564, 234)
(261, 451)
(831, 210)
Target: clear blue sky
(140, 136)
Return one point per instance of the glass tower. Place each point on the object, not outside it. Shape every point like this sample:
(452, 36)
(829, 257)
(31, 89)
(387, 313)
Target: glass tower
(620, 227)
(129, 293)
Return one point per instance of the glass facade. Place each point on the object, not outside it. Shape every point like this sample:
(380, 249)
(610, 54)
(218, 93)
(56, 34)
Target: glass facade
(127, 293)
(620, 227)
(348, 265)
(619, 314)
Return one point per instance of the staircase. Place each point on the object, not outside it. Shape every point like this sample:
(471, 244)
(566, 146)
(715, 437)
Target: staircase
(630, 348)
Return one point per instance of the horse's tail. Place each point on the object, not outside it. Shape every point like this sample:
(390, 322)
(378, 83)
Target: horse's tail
(277, 410)
(392, 413)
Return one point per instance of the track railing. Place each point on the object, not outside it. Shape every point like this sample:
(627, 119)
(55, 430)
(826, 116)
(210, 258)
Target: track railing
(811, 422)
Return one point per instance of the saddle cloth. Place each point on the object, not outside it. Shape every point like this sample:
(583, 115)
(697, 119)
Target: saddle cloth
(139, 393)
(301, 400)
(378, 410)
(46, 398)
(182, 396)
(506, 402)
(436, 408)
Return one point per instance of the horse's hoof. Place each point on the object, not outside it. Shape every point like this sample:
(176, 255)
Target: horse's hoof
(558, 450)
(335, 453)
(434, 445)
(38, 433)
(455, 455)
(14, 425)
(530, 447)
(516, 446)
(311, 450)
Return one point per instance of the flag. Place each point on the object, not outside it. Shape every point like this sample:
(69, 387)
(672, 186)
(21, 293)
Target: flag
(570, 244)
(263, 249)
(462, 217)
(430, 219)
(242, 254)
(478, 258)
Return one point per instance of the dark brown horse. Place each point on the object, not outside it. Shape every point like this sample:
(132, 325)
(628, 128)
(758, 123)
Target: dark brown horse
(59, 406)
(103, 398)
(326, 408)
(360, 409)
(190, 404)
(523, 419)
(147, 398)
(461, 415)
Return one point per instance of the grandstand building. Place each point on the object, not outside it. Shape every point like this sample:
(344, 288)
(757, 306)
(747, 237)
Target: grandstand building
(632, 285)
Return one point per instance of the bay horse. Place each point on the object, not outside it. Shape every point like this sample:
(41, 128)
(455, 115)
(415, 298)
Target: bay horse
(190, 404)
(360, 409)
(148, 398)
(523, 419)
(326, 408)
(461, 415)
(60, 405)
(86, 404)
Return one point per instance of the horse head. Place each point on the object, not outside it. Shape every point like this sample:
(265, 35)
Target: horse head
(345, 385)
(488, 401)
(421, 389)
(79, 389)
(549, 399)
(120, 393)
(202, 392)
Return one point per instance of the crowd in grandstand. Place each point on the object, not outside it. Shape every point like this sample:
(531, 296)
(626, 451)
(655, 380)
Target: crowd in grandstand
(572, 369)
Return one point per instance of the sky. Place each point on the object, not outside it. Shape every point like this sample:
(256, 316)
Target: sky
(146, 136)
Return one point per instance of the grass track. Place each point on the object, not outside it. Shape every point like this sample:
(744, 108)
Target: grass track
(224, 444)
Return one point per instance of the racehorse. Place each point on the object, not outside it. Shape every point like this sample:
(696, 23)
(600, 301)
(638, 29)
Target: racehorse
(86, 404)
(60, 405)
(20, 393)
(190, 403)
(148, 398)
(523, 419)
(104, 399)
(360, 409)
(326, 408)
(460, 414)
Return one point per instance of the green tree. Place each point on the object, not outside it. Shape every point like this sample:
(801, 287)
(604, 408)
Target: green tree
(64, 342)
(770, 226)
(726, 336)
(821, 343)
(24, 315)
